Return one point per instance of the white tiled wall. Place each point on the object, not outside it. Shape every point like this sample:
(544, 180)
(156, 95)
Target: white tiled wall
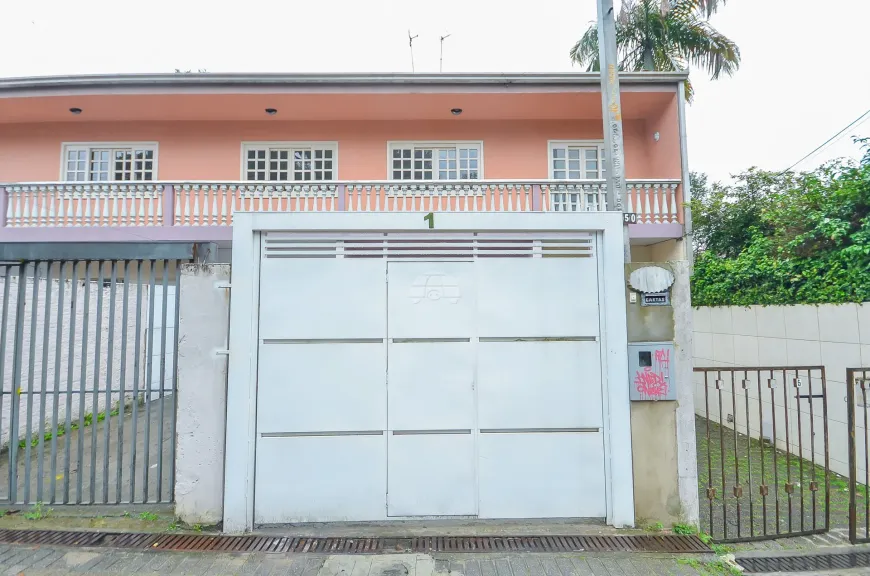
(836, 336)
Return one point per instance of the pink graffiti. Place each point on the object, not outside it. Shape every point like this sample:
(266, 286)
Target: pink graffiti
(650, 381)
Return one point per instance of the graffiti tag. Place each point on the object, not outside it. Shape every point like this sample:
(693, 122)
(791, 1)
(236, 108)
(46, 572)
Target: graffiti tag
(651, 381)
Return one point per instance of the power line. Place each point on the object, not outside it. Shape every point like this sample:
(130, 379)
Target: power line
(825, 143)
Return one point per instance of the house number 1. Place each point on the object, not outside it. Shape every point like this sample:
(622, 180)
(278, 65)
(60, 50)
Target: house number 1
(430, 218)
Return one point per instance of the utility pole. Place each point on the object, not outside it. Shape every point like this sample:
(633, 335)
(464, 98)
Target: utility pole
(441, 59)
(411, 45)
(611, 108)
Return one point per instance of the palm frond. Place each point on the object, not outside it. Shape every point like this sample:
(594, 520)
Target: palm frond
(701, 44)
(585, 51)
(703, 8)
(689, 90)
(664, 35)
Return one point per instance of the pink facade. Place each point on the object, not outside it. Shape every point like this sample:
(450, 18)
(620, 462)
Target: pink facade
(199, 130)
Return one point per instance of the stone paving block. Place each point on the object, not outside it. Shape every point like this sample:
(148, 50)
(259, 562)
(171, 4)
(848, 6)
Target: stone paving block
(471, 567)
(338, 566)
(503, 567)
(425, 565)
(487, 568)
(627, 567)
(550, 567)
(597, 567)
(362, 566)
(612, 567)
(518, 567)
(581, 566)
(533, 563)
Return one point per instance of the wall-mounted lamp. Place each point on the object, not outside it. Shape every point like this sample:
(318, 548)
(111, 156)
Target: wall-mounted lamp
(271, 111)
(75, 110)
(656, 136)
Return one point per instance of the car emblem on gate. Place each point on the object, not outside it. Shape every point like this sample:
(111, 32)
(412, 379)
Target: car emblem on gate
(435, 286)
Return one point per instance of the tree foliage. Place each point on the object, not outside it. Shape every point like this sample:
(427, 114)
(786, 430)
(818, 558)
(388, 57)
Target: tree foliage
(664, 35)
(784, 238)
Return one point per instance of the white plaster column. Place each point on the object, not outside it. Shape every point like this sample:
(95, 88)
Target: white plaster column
(202, 392)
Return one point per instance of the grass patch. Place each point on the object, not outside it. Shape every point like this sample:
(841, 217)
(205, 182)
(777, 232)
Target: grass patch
(149, 517)
(61, 428)
(657, 527)
(734, 459)
(711, 568)
(38, 512)
(685, 529)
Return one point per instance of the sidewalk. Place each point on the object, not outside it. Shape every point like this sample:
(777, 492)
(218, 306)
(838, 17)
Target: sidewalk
(46, 560)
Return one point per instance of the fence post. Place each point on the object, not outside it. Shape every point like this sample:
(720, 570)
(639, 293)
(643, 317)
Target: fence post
(4, 203)
(203, 329)
(342, 198)
(168, 205)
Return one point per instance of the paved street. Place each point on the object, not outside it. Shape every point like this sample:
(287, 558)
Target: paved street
(46, 560)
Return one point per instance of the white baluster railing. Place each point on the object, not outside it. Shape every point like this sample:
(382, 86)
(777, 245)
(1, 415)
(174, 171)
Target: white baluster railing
(111, 204)
(62, 204)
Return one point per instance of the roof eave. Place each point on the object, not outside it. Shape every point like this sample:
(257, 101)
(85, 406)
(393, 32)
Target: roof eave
(350, 81)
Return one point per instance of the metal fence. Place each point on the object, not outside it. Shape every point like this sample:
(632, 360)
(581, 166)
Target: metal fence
(858, 386)
(762, 467)
(87, 363)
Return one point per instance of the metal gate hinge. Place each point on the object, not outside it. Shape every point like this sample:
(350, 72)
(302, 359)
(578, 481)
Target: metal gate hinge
(225, 285)
(222, 352)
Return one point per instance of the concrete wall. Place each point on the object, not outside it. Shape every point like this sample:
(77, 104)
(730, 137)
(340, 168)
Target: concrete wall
(663, 433)
(202, 387)
(212, 150)
(46, 357)
(836, 336)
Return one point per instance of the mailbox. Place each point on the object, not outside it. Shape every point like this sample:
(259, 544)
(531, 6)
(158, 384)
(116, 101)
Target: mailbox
(650, 374)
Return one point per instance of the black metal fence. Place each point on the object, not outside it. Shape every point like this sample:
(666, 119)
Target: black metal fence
(763, 452)
(858, 386)
(88, 351)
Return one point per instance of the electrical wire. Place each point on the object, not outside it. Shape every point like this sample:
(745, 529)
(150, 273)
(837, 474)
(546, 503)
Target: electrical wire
(829, 140)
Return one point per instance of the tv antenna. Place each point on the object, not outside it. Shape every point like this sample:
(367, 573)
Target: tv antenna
(411, 46)
(441, 59)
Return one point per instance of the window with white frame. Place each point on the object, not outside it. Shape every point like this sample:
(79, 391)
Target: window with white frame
(106, 162)
(576, 160)
(291, 162)
(436, 161)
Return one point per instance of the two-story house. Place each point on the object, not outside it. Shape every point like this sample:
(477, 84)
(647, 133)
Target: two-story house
(507, 397)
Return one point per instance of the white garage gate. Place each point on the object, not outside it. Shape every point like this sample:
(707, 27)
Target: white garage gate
(404, 374)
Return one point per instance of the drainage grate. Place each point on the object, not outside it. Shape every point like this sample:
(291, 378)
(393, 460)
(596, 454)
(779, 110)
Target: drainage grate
(805, 563)
(458, 544)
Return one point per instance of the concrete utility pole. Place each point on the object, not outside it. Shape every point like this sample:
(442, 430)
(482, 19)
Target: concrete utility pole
(614, 159)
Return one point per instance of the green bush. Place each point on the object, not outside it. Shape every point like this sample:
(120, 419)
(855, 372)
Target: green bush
(784, 238)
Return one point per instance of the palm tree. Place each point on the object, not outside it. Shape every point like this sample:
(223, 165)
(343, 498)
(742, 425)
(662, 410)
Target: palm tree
(664, 35)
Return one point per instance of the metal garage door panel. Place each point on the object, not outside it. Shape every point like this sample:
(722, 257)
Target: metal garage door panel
(538, 297)
(431, 299)
(307, 298)
(321, 387)
(539, 385)
(431, 385)
(432, 475)
(320, 479)
(542, 475)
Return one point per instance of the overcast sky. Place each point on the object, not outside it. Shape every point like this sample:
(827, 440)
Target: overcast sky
(804, 73)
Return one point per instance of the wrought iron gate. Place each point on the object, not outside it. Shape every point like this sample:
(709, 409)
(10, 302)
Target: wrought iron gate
(763, 466)
(858, 399)
(88, 352)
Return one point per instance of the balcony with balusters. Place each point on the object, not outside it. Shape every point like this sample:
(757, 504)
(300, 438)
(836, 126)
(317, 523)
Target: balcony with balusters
(203, 211)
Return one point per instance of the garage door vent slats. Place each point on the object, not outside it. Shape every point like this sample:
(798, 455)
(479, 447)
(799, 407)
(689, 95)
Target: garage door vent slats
(423, 544)
(430, 247)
